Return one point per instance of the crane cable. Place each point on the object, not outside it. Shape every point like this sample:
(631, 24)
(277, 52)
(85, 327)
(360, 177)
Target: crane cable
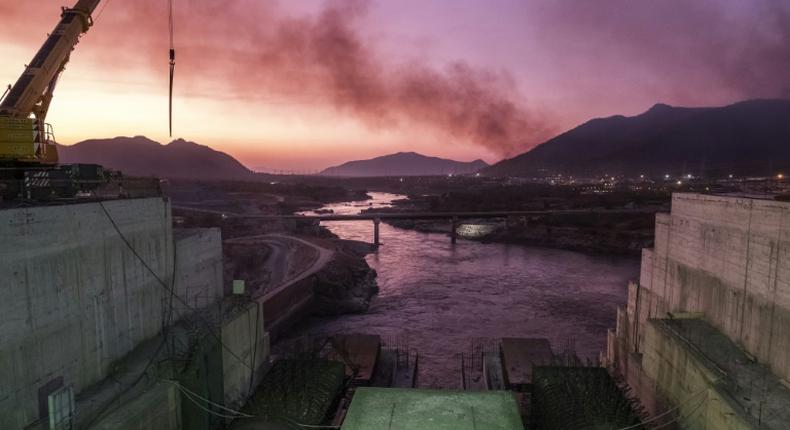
(172, 67)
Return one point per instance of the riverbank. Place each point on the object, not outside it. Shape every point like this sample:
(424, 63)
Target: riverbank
(277, 254)
(607, 238)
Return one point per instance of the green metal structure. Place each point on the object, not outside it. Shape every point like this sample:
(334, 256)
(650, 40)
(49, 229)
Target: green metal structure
(402, 409)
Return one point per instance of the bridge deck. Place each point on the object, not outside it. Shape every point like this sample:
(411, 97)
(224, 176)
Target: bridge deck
(436, 215)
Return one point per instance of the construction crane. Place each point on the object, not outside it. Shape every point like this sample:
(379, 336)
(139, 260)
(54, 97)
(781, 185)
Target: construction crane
(25, 137)
(29, 166)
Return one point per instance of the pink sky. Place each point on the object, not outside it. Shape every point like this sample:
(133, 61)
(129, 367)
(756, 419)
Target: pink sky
(305, 84)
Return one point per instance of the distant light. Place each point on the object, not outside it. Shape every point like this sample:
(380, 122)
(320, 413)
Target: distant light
(401, 179)
(450, 175)
(477, 175)
(689, 176)
(730, 175)
(641, 176)
(780, 176)
(666, 176)
(680, 182)
(613, 178)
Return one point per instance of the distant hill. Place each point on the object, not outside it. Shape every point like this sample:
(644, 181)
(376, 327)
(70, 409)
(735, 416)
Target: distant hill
(140, 156)
(404, 164)
(751, 137)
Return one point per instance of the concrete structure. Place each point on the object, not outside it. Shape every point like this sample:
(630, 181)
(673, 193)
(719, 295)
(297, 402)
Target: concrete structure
(74, 298)
(520, 355)
(454, 218)
(159, 407)
(200, 285)
(712, 382)
(247, 353)
(359, 352)
(396, 408)
(723, 260)
(85, 291)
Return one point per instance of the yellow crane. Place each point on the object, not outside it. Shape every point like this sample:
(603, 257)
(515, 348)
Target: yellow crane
(28, 152)
(25, 137)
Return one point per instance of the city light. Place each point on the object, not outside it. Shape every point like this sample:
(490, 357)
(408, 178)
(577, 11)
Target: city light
(780, 176)
(731, 175)
(680, 182)
(666, 176)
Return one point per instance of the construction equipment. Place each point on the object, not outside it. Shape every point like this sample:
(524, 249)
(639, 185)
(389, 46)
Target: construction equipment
(25, 137)
(28, 153)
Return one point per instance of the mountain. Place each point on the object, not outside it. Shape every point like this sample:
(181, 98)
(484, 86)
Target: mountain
(404, 164)
(140, 156)
(751, 137)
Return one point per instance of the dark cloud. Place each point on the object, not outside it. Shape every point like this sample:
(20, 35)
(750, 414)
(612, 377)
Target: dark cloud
(250, 49)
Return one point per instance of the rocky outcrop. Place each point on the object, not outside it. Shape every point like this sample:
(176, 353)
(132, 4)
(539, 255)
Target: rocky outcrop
(347, 284)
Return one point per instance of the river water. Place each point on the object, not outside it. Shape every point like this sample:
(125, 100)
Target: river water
(438, 296)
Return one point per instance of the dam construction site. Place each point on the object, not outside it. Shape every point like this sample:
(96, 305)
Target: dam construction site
(115, 317)
(145, 302)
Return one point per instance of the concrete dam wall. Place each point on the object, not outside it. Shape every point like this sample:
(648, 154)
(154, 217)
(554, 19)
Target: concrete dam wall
(728, 258)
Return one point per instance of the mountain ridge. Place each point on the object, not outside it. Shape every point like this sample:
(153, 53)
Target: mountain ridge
(749, 137)
(404, 164)
(141, 156)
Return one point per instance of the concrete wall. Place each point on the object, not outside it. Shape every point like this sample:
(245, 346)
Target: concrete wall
(728, 258)
(157, 408)
(685, 379)
(74, 298)
(198, 269)
(239, 334)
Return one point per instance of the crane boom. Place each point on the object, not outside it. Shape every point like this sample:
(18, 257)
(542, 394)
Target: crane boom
(24, 135)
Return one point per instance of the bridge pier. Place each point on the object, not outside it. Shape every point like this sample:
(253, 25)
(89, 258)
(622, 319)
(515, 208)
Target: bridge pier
(454, 230)
(376, 222)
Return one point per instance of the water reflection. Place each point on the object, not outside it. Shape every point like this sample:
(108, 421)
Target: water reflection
(441, 295)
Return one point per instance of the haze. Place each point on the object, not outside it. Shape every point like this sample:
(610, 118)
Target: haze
(307, 84)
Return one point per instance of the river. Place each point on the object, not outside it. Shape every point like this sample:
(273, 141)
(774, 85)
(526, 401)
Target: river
(439, 296)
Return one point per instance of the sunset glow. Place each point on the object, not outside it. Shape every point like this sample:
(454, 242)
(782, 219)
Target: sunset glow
(467, 79)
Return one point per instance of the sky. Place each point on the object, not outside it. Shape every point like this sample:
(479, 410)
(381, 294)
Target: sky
(301, 85)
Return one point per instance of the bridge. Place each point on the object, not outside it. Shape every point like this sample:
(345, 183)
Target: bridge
(453, 217)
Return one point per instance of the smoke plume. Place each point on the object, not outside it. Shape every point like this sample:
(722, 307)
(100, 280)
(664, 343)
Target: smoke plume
(246, 51)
